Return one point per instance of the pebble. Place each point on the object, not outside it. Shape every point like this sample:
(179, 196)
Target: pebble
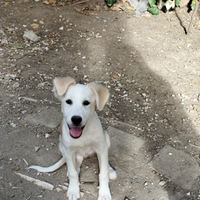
(63, 187)
(47, 135)
(188, 194)
(58, 189)
(37, 149)
(61, 28)
(29, 34)
(162, 183)
(75, 68)
(13, 125)
(15, 85)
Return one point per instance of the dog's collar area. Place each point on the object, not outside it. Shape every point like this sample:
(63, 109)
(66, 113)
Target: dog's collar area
(75, 131)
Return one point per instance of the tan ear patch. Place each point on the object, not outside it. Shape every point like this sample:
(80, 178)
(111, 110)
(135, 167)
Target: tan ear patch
(61, 84)
(101, 94)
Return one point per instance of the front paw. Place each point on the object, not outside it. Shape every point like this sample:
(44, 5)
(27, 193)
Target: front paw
(104, 194)
(73, 192)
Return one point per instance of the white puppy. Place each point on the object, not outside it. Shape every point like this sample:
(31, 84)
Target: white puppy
(82, 133)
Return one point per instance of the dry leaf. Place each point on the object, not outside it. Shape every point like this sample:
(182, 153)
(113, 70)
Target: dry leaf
(15, 168)
(91, 14)
(116, 7)
(6, 4)
(61, 4)
(79, 10)
(197, 24)
(6, 27)
(130, 8)
(116, 77)
(98, 7)
(52, 1)
(45, 2)
(34, 25)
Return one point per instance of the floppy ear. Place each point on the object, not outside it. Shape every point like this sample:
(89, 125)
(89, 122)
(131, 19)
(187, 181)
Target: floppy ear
(61, 84)
(101, 94)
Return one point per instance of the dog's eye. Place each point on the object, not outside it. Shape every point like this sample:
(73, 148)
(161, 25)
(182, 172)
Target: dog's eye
(86, 103)
(69, 101)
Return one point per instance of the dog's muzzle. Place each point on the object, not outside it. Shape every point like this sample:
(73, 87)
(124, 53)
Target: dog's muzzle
(76, 131)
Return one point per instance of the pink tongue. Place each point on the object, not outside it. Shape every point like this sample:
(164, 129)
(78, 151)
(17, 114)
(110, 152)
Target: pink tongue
(75, 131)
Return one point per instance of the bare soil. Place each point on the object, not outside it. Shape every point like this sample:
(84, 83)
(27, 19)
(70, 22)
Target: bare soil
(149, 64)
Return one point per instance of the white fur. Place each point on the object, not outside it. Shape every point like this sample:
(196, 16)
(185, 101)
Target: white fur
(93, 139)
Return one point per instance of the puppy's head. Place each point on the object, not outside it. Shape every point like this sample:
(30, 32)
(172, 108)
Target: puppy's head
(78, 102)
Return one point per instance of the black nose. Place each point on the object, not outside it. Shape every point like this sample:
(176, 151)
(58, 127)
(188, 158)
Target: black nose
(76, 120)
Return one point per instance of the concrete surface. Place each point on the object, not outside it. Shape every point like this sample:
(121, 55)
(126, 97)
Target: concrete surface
(180, 167)
(50, 118)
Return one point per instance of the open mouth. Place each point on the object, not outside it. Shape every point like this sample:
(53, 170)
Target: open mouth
(76, 131)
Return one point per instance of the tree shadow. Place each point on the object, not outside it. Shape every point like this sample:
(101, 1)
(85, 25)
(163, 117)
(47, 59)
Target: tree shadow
(155, 110)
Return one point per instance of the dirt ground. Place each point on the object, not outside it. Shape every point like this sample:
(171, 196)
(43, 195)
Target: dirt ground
(149, 65)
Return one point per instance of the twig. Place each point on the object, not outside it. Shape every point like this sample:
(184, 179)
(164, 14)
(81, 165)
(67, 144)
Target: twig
(84, 1)
(195, 10)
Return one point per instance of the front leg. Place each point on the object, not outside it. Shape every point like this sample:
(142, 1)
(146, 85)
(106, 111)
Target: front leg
(73, 192)
(104, 190)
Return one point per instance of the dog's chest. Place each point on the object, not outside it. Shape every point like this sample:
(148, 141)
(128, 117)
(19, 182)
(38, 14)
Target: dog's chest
(85, 152)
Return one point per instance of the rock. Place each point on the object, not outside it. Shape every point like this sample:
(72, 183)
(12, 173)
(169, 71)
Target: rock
(63, 187)
(162, 183)
(29, 34)
(192, 111)
(178, 166)
(37, 149)
(58, 189)
(15, 85)
(4, 41)
(1, 32)
(13, 125)
(47, 135)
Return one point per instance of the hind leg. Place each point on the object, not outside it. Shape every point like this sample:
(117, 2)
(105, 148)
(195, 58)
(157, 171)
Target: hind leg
(112, 173)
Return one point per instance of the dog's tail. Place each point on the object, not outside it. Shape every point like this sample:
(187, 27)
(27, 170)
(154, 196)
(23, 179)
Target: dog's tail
(52, 168)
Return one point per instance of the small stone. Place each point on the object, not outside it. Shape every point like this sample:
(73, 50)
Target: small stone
(29, 34)
(13, 125)
(58, 189)
(162, 183)
(16, 85)
(61, 28)
(75, 68)
(47, 135)
(4, 41)
(41, 22)
(63, 187)
(37, 149)
(67, 184)
(192, 111)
